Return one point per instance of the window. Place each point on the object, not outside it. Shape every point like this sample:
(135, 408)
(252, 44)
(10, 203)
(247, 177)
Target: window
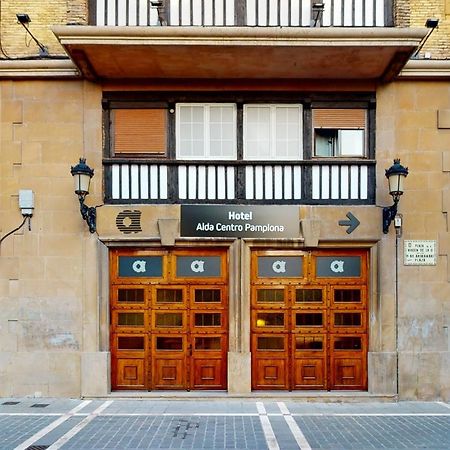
(339, 132)
(136, 131)
(273, 132)
(206, 131)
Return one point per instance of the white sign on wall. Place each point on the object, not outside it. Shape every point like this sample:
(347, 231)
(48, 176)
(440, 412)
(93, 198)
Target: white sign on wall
(419, 253)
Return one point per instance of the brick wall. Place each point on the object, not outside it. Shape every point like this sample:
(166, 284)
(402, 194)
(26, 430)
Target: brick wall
(414, 13)
(43, 14)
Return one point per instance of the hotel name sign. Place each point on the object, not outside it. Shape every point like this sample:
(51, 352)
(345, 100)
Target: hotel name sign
(239, 221)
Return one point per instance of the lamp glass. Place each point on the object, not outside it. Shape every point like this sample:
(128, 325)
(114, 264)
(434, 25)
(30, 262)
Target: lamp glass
(396, 183)
(82, 182)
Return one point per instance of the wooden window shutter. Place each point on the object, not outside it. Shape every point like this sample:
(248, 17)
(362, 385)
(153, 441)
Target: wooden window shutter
(339, 118)
(140, 130)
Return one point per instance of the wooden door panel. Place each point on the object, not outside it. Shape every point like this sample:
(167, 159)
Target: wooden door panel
(208, 373)
(130, 373)
(347, 373)
(169, 373)
(309, 373)
(269, 373)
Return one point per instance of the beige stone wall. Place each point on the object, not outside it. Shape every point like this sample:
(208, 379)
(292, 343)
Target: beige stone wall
(48, 275)
(407, 127)
(43, 14)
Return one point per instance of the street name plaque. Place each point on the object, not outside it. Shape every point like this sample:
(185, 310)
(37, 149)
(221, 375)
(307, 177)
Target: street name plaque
(419, 253)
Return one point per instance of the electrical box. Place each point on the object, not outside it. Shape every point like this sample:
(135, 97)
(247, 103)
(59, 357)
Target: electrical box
(26, 202)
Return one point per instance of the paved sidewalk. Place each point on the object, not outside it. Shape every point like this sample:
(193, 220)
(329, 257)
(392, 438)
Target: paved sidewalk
(38, 424)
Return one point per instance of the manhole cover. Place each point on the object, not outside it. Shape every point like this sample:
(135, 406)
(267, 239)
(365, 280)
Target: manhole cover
(10, 403)
(39, 405)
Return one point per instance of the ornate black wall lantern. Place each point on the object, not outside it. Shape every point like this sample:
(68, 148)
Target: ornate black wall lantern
(395, 175)
(82, 175)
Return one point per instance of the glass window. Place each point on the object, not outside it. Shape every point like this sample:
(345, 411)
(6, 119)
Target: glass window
(169, 296)
(347, 343)
(273, 132)
(139, 131)
(169, 343)
(166, 319)
(206, 131)
(207, 296)
(133, 319)
(308, 295)
(270, 319)
(130, 343)
(130, 296)
(207, 343)
(208, 319)
(309, 343)
(347, 295)
(347, 319)
(270, 296)
(270, 343)
(308, 319)
(339, 132)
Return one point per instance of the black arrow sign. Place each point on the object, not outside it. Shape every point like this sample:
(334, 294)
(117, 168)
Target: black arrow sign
(352, 223)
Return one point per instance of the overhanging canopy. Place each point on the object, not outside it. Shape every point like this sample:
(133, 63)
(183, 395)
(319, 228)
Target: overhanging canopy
(130, 53)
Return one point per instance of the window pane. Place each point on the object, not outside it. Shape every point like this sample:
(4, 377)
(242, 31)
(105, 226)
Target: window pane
(270, 320)
(347, 295)
(347, 343)
(270, 343)
(207, 296)
(131, 319)
(207, 343)
(208, 319)
(270, 296)
(169, 343)
(257, 132)
(351, 142)
(169, 296)
(169, 319)
(130, 343)
(308, 295)
(308, 319)
(347, 319)
(325, 142)
(309, 343)
(288, 133)
(130, 296)
(139, 130)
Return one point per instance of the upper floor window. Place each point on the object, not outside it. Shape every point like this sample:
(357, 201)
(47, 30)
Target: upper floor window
(206, 131)
(340, 132)
(273, 132)
(139, 131)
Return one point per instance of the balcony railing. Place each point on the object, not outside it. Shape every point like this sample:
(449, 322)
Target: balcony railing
(300, 182)
(263, 13)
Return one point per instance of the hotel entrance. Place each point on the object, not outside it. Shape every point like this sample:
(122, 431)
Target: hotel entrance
(309, 320)
(169, 319)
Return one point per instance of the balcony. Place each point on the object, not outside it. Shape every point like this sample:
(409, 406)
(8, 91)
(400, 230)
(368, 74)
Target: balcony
(260, 13)
(240, 182)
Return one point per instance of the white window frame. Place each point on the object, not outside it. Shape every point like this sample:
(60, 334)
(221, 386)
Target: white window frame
(273, 134)
(206, 132)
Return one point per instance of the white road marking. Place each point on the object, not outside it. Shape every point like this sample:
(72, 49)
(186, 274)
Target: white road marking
(444, 404)
(51, 426)
(271, 440)
(293, 426)
(77, 428)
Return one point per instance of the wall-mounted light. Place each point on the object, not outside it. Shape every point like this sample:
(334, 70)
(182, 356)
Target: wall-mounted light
(24, 20)
(82, 175)
(395, 175)
(159, 5)
(431, 24)
(317, 13)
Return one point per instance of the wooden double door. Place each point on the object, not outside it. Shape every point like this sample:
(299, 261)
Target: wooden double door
(309, 320)
(169, 319)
